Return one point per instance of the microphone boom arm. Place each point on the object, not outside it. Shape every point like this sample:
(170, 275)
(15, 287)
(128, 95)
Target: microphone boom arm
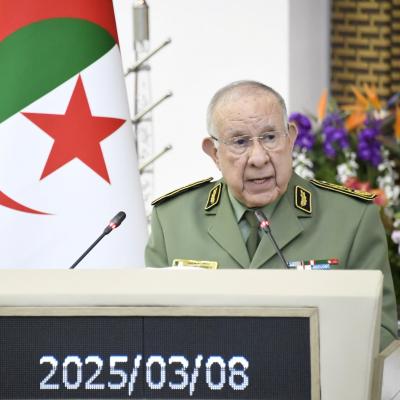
(264, 225)
(87, 251)
(114, 223)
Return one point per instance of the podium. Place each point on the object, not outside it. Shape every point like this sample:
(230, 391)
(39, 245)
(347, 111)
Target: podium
(193, 334)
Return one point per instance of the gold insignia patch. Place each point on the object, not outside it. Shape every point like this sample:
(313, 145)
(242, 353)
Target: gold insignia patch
(181, 190)
(213, 197)
(180, 262)
(302, 199)
(345, 190)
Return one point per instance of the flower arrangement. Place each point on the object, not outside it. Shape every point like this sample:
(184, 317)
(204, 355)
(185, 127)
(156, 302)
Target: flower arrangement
(358, 146)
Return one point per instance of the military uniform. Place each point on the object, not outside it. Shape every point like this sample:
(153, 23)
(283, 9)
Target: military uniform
(312, 220)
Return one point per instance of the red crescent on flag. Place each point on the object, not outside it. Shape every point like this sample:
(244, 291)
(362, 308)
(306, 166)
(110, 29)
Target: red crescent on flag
(10, 203)
(18, 13)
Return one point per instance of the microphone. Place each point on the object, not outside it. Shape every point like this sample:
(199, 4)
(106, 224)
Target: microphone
(114, 223)
(264, 225)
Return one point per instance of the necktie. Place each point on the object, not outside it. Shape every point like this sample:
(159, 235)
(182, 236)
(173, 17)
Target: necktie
(253, 239)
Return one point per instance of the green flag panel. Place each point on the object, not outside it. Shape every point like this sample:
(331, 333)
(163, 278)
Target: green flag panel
(39, 57)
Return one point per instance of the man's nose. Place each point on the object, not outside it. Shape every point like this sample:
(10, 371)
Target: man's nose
(257, 153)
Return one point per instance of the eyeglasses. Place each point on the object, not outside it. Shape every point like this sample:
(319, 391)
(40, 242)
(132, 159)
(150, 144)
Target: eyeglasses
(240, 144)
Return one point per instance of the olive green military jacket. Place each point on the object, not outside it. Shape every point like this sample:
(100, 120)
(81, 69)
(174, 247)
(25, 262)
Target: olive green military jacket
(310, 221)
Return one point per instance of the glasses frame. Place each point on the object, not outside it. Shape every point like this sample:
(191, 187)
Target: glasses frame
(252, 139)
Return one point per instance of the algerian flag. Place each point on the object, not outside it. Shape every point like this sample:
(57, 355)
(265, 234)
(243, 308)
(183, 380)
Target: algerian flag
(67, 152)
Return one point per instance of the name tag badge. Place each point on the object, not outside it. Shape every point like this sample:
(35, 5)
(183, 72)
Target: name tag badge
(180, 262)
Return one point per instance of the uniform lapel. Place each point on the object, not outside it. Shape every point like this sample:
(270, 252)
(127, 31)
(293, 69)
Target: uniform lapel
(225, 230)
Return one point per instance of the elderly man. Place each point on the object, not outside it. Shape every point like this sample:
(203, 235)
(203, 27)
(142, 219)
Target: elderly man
(212, 223)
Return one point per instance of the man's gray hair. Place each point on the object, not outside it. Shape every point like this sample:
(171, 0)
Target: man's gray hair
(246, 86)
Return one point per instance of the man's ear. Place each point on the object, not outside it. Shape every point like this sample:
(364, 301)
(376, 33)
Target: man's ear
(210, 149)
(292, 129)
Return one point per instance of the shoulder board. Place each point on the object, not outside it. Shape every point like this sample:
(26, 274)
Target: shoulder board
(181, 190)
(344, 190)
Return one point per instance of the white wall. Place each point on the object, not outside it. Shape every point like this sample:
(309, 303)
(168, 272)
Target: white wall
(309, 26)
(215, 42)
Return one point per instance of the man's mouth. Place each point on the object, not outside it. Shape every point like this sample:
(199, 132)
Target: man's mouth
(260, 185)
(259, 181)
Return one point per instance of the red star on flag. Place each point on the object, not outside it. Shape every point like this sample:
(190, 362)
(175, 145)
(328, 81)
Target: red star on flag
(76, 134)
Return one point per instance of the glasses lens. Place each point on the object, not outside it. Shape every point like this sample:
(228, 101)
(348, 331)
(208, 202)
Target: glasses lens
(269, 140)
(272, 140)
(240, 144)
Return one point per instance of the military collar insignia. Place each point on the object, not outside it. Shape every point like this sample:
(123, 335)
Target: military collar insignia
(181, 190)
(213, 197)
(342, 189)
(302, 199)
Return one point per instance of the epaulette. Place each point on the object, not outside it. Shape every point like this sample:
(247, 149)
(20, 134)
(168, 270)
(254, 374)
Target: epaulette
(181, 190)
(345, 190)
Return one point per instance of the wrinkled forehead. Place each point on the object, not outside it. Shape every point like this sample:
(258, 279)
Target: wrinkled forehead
(253, 109)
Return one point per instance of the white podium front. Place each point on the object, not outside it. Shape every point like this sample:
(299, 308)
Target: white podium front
(342, 309)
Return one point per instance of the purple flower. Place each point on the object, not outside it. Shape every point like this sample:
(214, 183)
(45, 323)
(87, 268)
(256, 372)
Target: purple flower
(329, 149)
(369, 148)
(305, 138)
(335, 135)
(393, 100)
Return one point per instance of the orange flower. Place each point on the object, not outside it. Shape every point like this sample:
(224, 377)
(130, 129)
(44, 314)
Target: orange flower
(361, 100)
(358, 110)
(397, 123)
(322, 105)
(354, 183)
(355, 119)
(380, 198)
(372, 96)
